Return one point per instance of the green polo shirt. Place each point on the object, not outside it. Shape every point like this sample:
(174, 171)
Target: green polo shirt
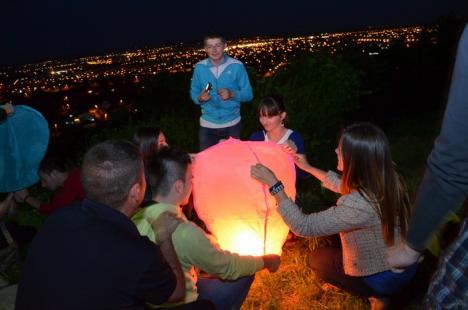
(196, 250)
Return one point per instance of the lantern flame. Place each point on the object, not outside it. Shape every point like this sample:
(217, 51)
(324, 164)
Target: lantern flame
(246, 243)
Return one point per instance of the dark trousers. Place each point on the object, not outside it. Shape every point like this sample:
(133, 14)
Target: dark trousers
(327, 263)
(210, 136)
(196, 305)
(225, 294)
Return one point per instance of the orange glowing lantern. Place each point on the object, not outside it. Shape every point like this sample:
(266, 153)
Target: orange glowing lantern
(237, 209)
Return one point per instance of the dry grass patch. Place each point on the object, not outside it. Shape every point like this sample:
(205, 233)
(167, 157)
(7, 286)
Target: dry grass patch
(295, 287)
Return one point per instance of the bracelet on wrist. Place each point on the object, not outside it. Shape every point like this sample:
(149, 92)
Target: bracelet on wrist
(275, 189)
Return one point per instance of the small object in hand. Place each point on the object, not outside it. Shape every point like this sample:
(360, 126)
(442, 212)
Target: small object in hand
(208, 87)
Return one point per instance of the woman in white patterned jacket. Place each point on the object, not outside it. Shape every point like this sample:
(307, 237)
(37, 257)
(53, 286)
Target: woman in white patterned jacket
(371, 213)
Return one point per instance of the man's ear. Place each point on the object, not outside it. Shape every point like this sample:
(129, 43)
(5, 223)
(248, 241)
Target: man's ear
(134, 192)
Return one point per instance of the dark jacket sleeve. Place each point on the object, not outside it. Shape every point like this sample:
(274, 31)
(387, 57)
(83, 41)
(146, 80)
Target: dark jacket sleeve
(445, 183)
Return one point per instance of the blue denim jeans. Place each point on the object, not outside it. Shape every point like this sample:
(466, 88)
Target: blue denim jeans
(327, 263)
(226, 295)
(210, 136)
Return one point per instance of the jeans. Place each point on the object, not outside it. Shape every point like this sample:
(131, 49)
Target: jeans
(225, 294)
(210, 136)
(327, 263)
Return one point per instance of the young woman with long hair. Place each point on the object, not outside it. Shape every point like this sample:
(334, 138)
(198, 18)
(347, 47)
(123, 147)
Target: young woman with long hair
(149, 140)
(369, 216)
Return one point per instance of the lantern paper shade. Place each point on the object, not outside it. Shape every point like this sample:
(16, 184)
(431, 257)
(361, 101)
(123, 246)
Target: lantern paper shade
(24, 137)
(236, 208)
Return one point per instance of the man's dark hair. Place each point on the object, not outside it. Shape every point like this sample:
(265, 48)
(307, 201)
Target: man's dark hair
(165, 168)
(214, 36)
(109, 171)
(52, 161)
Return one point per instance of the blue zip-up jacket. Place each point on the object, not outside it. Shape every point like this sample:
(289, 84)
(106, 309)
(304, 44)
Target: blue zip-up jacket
(231, 74)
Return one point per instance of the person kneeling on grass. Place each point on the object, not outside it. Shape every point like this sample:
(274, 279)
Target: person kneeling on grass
(90, 255)
(369, 216)
(231, 275)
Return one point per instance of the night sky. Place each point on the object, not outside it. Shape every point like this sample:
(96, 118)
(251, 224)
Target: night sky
(43, 29)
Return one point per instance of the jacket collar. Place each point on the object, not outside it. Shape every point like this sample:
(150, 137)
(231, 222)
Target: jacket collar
(106, 213)
(210, 63)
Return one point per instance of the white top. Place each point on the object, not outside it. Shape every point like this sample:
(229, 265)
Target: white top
(283, 139)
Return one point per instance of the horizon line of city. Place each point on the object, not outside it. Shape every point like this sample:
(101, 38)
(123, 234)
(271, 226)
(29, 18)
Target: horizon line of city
(193, 44)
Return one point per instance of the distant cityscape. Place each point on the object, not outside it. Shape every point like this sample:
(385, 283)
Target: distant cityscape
(71, 82)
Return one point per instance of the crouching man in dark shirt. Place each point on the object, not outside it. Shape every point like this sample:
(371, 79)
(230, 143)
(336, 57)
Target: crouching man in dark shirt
(91, 256)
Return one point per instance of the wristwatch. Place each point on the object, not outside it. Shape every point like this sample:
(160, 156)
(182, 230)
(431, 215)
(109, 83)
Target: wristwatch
(275, 189)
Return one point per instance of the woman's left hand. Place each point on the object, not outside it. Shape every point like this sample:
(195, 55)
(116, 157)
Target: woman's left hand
(261, 173)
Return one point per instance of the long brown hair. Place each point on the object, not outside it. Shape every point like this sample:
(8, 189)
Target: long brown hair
(369, 169)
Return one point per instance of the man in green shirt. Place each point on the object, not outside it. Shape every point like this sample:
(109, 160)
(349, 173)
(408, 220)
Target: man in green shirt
(170, 177)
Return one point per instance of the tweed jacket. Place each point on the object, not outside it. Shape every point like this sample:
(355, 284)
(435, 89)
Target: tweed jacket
(356, 221)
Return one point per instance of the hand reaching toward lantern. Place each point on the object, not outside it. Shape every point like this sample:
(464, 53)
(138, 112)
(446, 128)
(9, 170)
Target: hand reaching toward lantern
(261, 173)
(289, 147)
(165, 225)
(301, 161)
(271, 262)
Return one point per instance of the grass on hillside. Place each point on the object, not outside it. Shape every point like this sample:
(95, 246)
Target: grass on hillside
(296, 287)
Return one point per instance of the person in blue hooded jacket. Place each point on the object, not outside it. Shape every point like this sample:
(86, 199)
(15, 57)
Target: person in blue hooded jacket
(219, 84)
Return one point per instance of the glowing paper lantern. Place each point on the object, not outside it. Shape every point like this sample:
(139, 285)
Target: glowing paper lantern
(237, 209)
(24, 137)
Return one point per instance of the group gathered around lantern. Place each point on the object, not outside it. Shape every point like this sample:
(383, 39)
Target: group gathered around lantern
(160, 227)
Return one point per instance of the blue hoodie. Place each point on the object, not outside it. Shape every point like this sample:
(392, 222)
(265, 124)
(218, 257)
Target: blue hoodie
(231, 74)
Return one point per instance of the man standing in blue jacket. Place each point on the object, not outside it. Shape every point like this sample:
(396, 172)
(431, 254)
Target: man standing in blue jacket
(219, 84)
